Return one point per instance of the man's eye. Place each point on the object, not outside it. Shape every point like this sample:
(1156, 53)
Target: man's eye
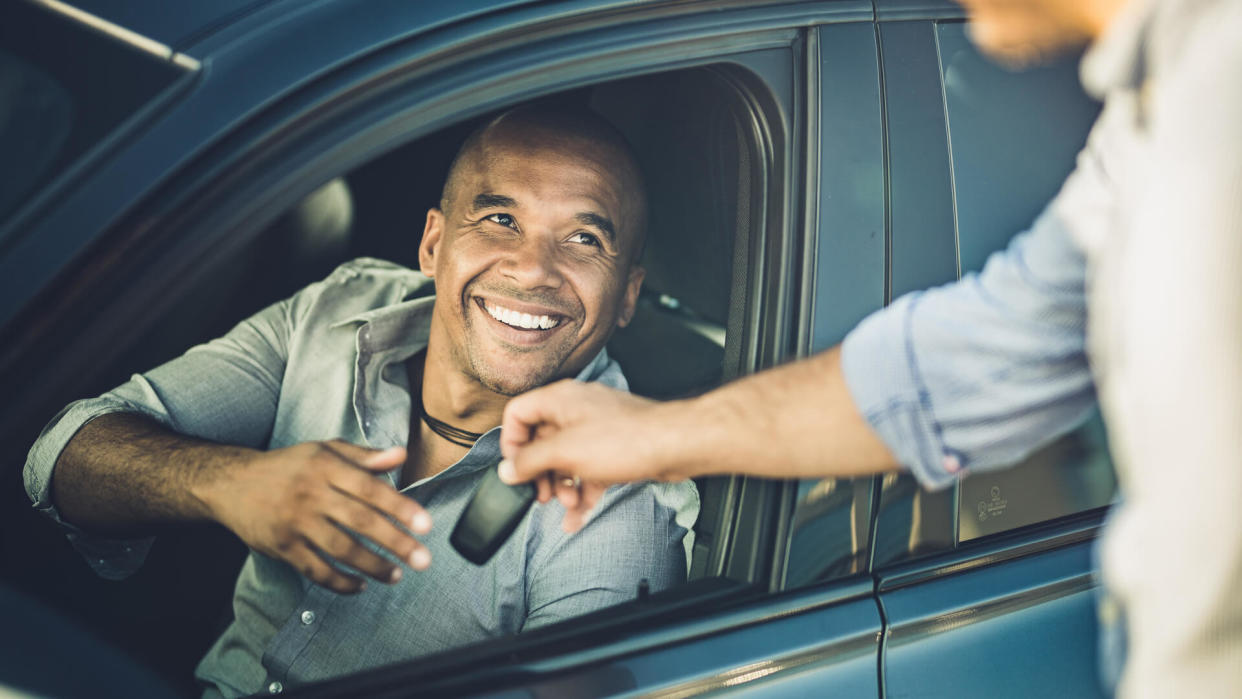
(503, 219)
(585, 239)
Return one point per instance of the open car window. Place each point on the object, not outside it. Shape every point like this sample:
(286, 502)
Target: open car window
(697, 136)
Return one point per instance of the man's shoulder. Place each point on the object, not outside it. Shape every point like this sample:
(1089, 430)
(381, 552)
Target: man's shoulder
(358, 286)
(374, 272)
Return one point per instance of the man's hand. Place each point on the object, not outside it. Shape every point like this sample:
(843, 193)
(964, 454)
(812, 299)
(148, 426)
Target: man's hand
(571, 429)
(304, 505)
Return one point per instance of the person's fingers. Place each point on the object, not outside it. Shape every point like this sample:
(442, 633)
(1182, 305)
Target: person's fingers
(573, 521)
(583, 502)
(328, 537)
(543, 489)
(524, 414)
(307, 561)
(567, 490)
(382, 496)
(591, 494)
(533, 459)
(362, 519)
(370, 459)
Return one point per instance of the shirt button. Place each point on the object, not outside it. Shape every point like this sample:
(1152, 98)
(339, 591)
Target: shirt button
(275, 688)
(308, 617)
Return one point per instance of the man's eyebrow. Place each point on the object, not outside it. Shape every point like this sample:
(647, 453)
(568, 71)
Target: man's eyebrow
(588, 218)
(493, 201)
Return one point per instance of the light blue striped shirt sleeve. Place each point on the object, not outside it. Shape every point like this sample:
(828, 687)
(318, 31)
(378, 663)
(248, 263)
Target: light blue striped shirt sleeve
(976, 374)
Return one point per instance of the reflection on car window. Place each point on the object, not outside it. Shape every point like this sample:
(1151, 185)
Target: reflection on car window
(36, 115)
(1001, 181)
(59, 96)
(830, 531)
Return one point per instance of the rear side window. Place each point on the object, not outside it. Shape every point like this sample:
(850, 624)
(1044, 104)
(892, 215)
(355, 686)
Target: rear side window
(64, 86)
(1013, 138)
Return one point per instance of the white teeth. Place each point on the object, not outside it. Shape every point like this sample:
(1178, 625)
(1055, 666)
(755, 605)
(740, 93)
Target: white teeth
(521, 320)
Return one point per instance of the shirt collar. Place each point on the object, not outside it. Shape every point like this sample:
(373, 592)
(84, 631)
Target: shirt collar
(397, 332)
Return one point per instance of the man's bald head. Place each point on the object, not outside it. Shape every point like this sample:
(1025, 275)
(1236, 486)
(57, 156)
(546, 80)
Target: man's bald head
(574, 132)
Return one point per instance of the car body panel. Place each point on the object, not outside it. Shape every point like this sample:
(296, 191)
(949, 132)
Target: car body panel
(1020, 626)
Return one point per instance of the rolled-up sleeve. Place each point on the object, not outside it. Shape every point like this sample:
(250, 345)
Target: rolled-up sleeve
(978, 373)
(225, 391)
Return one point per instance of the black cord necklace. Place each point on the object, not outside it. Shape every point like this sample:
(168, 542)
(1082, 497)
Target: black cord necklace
(456, 435)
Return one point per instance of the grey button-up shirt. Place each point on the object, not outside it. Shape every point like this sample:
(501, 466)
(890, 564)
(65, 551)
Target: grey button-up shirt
(329, 363)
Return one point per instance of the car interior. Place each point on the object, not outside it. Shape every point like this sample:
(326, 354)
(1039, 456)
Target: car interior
(690, 131)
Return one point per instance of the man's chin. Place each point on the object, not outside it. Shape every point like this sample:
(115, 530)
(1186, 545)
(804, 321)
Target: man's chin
(515, 381)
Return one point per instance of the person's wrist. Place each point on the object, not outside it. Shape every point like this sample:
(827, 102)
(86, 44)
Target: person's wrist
(215, 484)
(676, 428)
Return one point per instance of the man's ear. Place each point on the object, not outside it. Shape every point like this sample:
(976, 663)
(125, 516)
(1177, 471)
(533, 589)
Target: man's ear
(433, 233)
(630, 303)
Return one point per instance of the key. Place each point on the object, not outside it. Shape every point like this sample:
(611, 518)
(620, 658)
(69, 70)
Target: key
(490, 517)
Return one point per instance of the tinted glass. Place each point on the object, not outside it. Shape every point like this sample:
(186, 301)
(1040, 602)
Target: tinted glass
(1014, 136)
(63, 88)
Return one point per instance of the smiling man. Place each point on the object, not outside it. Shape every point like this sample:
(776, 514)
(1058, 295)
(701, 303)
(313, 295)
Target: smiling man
(331, 427)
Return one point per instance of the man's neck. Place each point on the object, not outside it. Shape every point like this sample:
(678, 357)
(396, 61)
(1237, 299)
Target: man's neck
(451, 398)
(455, 398)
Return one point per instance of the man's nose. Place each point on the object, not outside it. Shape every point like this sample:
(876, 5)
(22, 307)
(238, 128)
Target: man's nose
(533, 264)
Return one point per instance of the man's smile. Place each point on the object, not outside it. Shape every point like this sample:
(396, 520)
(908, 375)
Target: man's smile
(520, 322)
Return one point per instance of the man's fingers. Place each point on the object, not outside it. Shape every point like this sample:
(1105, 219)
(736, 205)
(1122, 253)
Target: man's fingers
(360, 518)
(309, 563)
(370, 459)
(382, 496)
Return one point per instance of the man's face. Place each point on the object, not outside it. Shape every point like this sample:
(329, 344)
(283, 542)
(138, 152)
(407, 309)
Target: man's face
(1024, 32)
(532, 262)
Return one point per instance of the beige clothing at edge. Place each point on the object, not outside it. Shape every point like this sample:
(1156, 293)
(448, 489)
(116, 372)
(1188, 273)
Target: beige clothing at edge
(1165, 333)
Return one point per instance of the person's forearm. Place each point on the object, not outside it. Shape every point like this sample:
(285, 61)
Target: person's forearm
(122, 473)
(794, 421)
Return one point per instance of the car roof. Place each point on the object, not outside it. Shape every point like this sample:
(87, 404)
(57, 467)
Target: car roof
(173, 23)
(180, 24)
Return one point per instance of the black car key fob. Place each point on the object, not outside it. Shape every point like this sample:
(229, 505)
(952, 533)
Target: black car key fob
(490, 517)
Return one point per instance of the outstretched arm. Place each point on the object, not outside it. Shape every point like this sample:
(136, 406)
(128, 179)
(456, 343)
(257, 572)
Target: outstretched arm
(795, 421)
(968, 376)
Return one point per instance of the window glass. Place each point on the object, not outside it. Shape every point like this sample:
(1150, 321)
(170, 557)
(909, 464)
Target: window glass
(830, 531)
(56, 96)
(1013, 137)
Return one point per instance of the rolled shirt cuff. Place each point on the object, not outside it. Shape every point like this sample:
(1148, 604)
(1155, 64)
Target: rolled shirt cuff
(881, 371)
(113, 559)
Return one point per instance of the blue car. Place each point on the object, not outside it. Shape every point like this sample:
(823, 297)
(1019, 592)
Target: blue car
(166, 169)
